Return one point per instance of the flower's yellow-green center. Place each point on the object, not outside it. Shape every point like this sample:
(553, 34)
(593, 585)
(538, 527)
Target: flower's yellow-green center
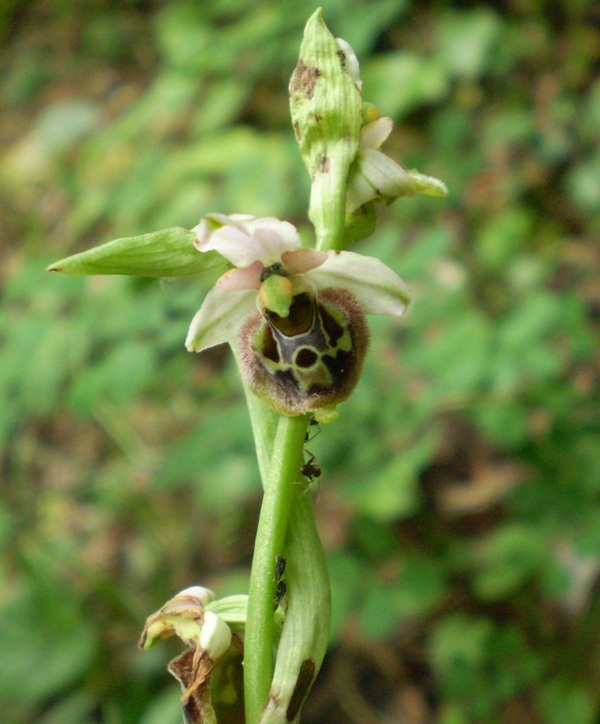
(276, 291)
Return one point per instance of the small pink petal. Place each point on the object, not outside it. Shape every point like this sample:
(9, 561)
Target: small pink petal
(301, 261)
(247, 277)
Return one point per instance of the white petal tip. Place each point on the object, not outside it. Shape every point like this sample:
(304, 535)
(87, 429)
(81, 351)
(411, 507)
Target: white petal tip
(204, 595)
(427, 184)
(189, 343)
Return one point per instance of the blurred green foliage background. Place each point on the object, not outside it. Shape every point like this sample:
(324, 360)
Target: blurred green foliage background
(460, 502)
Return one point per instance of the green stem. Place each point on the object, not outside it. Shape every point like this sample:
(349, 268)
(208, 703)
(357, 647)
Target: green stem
(264, 427)
(327, 206)
(285, 463)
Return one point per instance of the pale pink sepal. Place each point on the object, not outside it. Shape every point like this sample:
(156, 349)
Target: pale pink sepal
(243, 239)
(374, 134)
(219, 318)
(247, 277)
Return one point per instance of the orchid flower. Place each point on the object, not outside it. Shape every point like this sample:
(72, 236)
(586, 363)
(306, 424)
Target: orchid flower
(297, 313)
(209, 640)
(255, 246)
(374, 175)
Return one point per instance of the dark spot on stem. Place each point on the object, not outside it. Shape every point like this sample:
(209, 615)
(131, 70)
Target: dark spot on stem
(324, 164)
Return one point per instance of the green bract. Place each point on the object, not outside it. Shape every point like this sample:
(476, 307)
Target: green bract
(165, 253)
(326, 108)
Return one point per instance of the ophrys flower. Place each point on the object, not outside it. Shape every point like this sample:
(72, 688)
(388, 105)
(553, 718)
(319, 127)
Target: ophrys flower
(297, 313)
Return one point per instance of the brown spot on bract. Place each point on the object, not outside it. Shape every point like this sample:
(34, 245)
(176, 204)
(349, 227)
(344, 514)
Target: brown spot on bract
(275, 698)
(303, 684)
(304, 79)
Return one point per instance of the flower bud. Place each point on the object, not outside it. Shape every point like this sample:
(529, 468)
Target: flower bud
(211, 646)
(326, 108)
(181, 616)
(215, 636)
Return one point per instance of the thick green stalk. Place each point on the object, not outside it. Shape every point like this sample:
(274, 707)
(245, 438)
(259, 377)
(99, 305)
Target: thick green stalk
(280, 490)
(329, 218)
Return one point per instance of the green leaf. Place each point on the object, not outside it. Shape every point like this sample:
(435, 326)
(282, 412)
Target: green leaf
(467, 41)
(420, 587)
(165, 253)
(509, 558)
(563, 700)
(348, 575)
(459, 641)
(393, 491)
(49, 642)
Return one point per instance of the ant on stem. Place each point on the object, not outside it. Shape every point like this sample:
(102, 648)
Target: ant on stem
(311, 468)
(281, 589)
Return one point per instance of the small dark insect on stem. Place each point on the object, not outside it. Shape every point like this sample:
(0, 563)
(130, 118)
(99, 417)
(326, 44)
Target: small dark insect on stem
(311, 468)
(310, 437)
(281, 584)
(280, 592)
(279, 567)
